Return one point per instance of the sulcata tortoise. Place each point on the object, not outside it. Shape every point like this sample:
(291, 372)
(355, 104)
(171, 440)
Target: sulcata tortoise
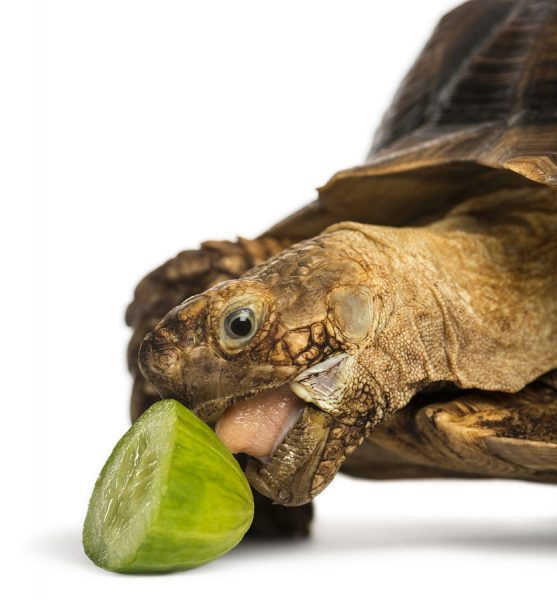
(404, 324)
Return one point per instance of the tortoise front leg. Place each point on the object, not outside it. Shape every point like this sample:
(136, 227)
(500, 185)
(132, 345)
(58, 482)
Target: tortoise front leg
(190, 273)
(481, 434)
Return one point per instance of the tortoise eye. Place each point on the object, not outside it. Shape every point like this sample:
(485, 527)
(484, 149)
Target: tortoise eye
(240, 325)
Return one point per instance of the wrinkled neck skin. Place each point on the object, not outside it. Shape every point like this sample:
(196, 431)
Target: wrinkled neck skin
(470, 299)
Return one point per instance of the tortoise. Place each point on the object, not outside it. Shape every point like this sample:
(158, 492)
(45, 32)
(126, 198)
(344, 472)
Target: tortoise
(404, 324)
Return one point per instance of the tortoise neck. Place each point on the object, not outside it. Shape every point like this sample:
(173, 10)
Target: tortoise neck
(499, 253)
(473, 296)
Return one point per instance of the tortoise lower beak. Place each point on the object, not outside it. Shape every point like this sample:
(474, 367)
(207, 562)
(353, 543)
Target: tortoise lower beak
(291, 477)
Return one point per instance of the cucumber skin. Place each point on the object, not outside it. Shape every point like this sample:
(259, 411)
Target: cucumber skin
(205, 509)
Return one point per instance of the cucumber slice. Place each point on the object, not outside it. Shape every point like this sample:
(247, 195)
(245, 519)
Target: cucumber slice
(171, 496)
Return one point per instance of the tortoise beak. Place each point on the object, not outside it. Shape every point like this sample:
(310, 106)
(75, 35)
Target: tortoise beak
(160, 361)
(167, 353)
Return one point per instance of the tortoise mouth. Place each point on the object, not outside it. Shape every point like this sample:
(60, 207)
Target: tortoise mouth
(257, 422)
(300, 385)
(257, 425)
(288, 476)
(283, 434)
(212, 410)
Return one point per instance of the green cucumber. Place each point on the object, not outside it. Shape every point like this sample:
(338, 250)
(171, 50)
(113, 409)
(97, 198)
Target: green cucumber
(171, 496)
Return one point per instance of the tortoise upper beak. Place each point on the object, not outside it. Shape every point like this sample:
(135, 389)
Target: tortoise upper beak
(160, 361)
(167, 351)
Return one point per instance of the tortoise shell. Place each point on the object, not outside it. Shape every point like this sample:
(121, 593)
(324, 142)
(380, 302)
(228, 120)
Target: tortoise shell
(476, 112)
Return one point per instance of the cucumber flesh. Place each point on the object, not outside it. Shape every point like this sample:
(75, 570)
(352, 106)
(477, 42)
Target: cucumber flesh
(170, 496)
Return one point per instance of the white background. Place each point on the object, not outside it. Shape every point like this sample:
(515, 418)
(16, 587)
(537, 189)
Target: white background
(132, 130)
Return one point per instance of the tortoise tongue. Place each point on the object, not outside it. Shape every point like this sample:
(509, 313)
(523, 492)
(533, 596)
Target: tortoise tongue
(257, 425)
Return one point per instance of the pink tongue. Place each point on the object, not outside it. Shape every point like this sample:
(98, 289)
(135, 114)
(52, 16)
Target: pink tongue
(258, 424)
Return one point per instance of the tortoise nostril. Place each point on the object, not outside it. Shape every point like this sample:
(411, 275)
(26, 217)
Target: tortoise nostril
(159, 355)
(167, 359)
(161, 341)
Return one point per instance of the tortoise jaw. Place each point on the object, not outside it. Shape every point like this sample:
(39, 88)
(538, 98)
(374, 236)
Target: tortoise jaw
(292, 474)
(211, 410)
(288, 476)
(321, 385)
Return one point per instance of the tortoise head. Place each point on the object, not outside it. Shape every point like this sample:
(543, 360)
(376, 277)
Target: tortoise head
(271, 360)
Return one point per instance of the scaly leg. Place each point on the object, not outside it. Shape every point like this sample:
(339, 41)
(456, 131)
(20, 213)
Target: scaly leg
(481, 434)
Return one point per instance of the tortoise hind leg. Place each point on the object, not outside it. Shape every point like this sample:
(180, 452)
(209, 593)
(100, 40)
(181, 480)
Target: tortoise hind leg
(190, 273)
(482, 434)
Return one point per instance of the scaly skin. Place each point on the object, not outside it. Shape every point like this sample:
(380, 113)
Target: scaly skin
(383, 312)
(477, 434)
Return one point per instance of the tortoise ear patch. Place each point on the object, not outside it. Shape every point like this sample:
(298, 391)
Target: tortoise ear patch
(351, 309)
